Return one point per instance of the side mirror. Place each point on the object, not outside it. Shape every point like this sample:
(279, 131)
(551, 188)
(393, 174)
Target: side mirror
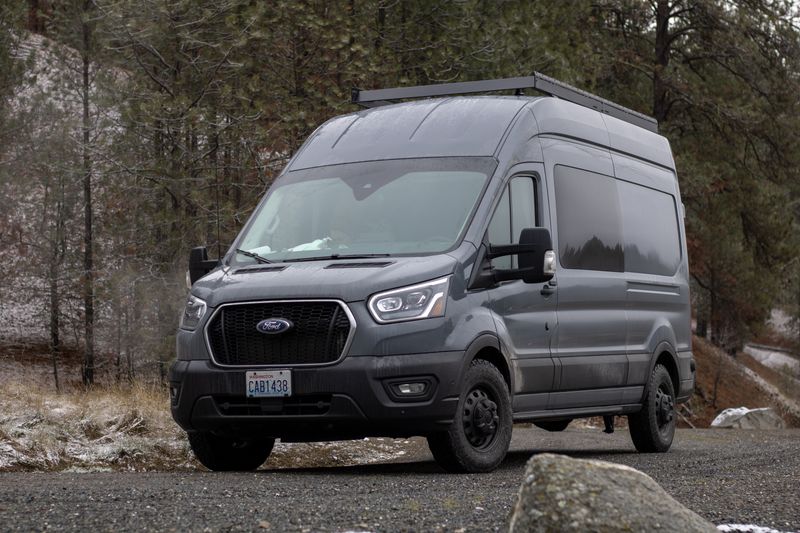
(199, 264)
(535, 258)
(539, 265)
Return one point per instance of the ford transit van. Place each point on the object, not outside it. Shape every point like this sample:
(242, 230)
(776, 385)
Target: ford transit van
(444, 267)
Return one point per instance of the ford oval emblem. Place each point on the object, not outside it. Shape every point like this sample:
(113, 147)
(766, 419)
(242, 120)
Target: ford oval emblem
(273, 326)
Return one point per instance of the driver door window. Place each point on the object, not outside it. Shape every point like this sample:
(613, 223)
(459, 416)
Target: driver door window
(515, 212)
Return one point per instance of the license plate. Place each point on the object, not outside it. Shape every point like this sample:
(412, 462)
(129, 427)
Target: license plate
(268, 383)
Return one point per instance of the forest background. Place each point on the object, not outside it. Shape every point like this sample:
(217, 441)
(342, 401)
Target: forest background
(134, 130)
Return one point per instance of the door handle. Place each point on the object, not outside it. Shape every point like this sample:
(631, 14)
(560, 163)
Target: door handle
(548, 289)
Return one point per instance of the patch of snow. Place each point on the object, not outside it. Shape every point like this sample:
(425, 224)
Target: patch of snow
(783, 322)
(730, 413)
(744, 418)
(746, 528)
(787, 403)
(772, 359)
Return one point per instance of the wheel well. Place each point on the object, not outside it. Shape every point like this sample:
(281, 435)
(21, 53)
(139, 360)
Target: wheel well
(496, 358)
(667, 361)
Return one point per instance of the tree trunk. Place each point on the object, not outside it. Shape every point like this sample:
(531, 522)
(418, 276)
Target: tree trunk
(661, 60)
(55, 341)
(88, 266)
(714, 315)
(702, 326)
(118, 331)
(58, 245)
(381, 27)
(717, 379)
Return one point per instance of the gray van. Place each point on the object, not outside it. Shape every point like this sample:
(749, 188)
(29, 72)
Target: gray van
(446, 267)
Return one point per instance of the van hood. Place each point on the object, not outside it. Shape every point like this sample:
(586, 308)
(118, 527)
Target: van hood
(348, 280)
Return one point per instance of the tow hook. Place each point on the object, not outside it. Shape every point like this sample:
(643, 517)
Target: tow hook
(608, 420)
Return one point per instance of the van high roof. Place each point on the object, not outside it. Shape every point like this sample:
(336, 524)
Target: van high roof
(469, 126)
(476, 126)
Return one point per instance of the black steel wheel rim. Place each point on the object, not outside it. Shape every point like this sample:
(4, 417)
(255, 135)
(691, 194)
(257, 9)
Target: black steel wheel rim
(479, 418)
(665, 409)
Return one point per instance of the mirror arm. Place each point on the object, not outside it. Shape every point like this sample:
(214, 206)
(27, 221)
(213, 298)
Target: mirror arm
(503, 250)
(210, 265)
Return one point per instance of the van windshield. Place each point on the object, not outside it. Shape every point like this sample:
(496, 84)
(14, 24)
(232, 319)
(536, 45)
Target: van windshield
(408, 206)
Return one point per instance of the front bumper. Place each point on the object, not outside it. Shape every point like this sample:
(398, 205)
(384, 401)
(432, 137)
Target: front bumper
(351, 399)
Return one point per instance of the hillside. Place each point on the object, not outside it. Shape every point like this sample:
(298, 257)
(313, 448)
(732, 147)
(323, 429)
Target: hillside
(724, 381)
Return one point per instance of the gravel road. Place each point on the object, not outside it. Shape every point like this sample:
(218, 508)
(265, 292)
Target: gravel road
(727, 476)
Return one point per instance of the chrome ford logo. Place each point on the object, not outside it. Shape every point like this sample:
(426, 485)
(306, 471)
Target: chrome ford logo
(273, 326)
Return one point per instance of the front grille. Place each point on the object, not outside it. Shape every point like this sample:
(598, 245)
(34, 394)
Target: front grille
(319, 334)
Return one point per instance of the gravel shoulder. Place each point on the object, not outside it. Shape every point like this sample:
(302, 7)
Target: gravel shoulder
(727, 476)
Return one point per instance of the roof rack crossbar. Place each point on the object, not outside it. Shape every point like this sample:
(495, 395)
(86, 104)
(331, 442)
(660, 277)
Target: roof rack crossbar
(539, 82)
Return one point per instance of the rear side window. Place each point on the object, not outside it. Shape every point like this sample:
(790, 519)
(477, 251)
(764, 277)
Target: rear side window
(589, 220)
(650, 222)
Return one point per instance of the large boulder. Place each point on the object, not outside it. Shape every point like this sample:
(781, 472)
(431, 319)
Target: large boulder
(559, 493)
(744, 418)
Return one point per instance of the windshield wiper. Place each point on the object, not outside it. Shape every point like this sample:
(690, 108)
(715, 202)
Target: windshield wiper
(336, 256)
(254, 255)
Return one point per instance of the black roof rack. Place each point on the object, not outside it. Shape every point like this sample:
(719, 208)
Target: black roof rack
(540, 82)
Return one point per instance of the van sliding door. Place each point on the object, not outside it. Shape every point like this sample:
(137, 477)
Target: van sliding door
(590, 341)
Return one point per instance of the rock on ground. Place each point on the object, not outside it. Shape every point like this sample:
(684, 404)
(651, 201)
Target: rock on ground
(744, 418)
(559, 493)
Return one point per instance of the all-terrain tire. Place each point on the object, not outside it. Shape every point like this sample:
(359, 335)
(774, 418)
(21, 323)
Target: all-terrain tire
(478, 438)
(553, 425)
(653, 428)
(226, 454)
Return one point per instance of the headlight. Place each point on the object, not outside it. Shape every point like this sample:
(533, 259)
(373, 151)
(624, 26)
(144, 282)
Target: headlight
(193, 312)
(426, 300)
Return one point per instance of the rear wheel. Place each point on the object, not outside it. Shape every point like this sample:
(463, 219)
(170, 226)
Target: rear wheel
(225, 454)
(653, 428)
(553, 425)
(479, 437)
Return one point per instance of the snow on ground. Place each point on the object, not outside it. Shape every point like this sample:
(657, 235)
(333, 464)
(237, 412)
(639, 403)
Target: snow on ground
(22, 312)
(774, 359)
(104, 429)
(787, 403)
(745, 528)
(783, 322)
(745, 418)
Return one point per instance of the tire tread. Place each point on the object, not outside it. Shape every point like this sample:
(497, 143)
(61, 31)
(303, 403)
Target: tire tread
(643, 426)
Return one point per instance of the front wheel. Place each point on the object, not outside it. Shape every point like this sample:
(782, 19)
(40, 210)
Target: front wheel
(226, 454)
(478, 438)
(653, 428)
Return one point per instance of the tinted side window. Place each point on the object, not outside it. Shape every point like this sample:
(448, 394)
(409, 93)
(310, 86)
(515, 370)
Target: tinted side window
(515, 212)
(589, 220)
(652, 244)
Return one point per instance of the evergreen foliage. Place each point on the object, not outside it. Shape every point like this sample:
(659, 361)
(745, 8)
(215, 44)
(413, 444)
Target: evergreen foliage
(194, 106)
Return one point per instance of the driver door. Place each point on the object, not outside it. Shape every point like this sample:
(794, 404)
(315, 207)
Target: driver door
(525, 314)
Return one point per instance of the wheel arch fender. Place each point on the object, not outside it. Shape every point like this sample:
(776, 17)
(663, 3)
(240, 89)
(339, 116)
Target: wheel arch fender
(487, 346)
(665, 354)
